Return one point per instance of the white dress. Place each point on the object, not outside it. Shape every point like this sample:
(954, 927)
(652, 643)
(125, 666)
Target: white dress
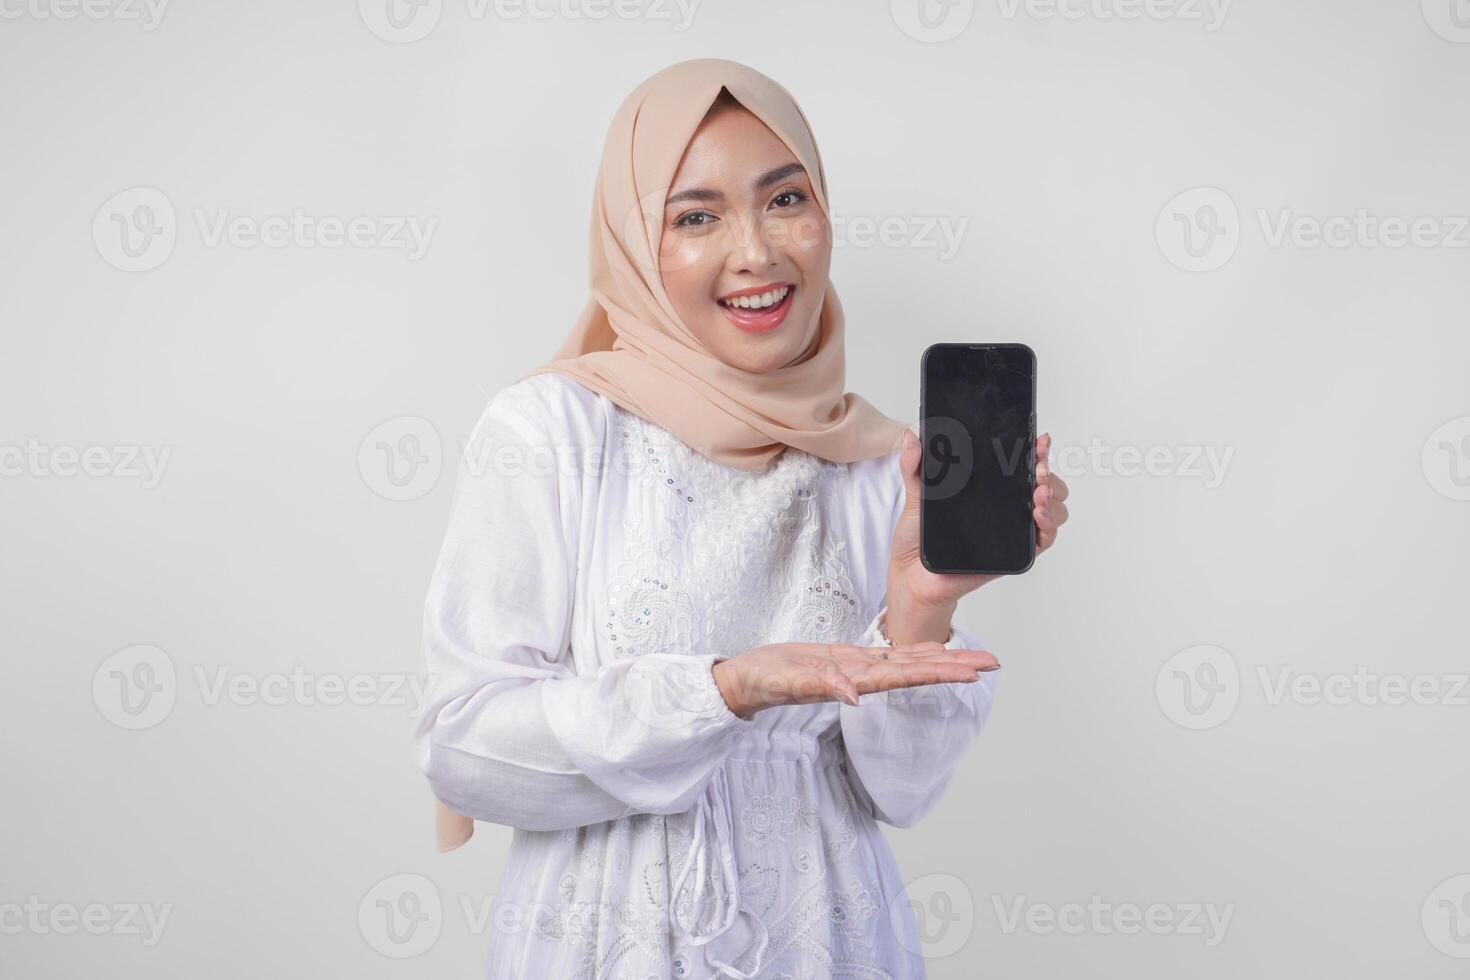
(594, 569)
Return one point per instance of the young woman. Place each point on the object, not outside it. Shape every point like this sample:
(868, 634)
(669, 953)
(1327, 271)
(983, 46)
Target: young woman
(679, 636)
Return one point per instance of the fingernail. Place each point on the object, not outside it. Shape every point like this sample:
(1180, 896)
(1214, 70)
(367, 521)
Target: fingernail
(996, 667)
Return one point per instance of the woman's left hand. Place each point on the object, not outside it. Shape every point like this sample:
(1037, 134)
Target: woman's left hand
(919, 598)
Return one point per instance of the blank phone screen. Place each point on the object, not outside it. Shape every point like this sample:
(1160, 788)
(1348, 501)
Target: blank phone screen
(977, 424)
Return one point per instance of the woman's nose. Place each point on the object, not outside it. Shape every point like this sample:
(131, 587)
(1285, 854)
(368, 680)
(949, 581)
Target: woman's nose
(752, 247)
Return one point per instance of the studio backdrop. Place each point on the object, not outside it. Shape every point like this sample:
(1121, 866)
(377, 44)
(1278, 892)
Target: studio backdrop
(265, 264)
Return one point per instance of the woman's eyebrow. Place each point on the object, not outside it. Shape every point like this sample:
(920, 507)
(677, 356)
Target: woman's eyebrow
(764, 180)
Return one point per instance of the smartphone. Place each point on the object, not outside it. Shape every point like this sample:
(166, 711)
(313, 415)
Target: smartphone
(977, 426)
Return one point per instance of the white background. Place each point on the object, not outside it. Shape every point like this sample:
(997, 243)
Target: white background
(1059, 139)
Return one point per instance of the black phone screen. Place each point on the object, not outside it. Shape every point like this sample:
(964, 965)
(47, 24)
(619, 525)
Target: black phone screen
(977, 424)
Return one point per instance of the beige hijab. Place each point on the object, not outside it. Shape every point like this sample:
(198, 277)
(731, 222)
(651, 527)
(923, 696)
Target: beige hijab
(630, 345)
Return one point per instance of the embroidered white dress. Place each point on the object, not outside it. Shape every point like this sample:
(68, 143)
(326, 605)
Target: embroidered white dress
(594, 569)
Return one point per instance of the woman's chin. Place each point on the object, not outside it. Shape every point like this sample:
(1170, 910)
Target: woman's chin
(758, 355)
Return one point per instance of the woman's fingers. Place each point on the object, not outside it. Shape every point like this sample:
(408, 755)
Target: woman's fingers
(891, 676)
(912, 669)
(928, 652)
(842, 687)
(1046, 528)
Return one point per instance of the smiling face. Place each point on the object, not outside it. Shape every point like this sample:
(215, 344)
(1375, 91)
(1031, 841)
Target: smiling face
(746, 248)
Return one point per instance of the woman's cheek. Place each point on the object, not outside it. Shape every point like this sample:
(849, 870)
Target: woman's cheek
(682, 252)
(808, 236)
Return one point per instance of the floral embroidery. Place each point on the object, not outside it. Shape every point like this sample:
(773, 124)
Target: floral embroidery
(648, 611)
(828, 607)
(849, 912)
(767, 819)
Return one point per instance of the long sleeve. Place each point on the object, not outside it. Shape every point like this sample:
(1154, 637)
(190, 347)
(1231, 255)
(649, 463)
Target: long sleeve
(904, 745)
(509, 731)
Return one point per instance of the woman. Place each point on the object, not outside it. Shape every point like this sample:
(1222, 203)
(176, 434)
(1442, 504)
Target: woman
(655, 637)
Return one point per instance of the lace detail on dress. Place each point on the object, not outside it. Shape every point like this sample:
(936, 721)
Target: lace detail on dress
(762, 566)
(828, 608)
(648, 611)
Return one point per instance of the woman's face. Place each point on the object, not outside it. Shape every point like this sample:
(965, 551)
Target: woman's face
(741, 223)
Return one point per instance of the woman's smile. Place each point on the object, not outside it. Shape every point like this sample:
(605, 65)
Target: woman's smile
(759, 309)
(744, 231)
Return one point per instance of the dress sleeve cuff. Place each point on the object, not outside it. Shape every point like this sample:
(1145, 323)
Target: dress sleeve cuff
(675, 691)
(876, 635)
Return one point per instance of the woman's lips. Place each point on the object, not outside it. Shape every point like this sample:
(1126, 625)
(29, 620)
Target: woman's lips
(760, 321)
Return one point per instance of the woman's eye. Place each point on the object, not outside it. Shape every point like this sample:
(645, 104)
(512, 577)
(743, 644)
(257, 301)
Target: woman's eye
(693, 219)
(791, 197)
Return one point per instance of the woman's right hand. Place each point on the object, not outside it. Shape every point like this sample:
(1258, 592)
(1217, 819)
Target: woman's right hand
(803, 673)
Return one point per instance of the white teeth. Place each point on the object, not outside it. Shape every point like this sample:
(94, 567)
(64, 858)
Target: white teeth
(760, 301)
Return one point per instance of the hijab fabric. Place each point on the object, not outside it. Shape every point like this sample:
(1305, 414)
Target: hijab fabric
(628, 343)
